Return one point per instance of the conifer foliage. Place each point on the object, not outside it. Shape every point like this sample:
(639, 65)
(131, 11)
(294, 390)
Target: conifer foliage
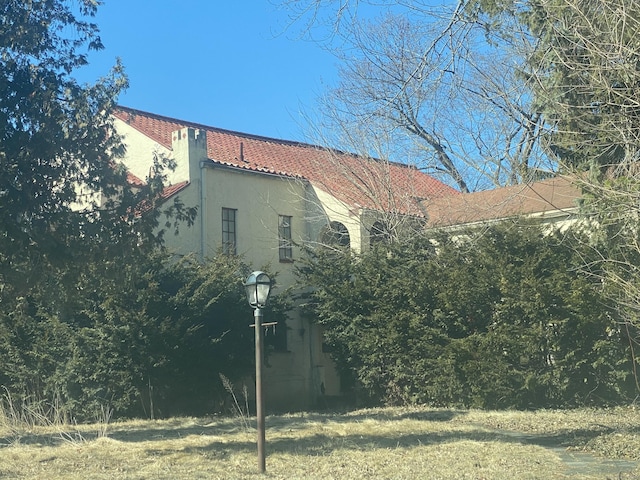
(498, 318)
(91, 315)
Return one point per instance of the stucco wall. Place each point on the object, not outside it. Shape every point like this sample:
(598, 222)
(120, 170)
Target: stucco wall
(139, 155)
(336, 211)
(293, 379)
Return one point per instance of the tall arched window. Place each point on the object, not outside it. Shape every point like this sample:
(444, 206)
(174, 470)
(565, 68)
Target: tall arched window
(336, 235)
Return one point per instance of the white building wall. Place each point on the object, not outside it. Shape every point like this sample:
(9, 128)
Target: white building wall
(140, 150)
(293, 379)
(336, 211)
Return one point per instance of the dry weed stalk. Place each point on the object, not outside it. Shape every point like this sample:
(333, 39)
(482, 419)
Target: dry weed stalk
(20, 419)
(237, 409)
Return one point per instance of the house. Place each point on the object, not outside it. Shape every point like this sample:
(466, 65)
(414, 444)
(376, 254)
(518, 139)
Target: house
(552, 201)
(263, 198)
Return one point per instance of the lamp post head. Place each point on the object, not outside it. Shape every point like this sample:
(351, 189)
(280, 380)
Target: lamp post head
(258, 287)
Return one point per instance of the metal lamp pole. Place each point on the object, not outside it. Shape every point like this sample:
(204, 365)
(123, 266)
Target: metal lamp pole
(257, 315)
(258, 287)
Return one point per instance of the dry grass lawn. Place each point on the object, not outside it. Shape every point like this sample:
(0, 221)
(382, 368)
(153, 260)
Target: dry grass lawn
(415, 443)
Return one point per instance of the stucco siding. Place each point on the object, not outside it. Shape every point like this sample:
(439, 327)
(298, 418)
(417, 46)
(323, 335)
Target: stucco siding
(140, 150)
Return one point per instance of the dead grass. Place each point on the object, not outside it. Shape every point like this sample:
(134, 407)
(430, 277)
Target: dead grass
(382, 443)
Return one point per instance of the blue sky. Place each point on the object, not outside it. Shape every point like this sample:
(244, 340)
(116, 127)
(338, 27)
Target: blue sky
(228, 64)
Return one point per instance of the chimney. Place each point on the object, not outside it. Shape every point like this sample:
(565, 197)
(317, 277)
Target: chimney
(189, 147)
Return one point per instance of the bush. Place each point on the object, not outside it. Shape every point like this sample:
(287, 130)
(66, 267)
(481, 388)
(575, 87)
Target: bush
(144, 339)
(498, 318)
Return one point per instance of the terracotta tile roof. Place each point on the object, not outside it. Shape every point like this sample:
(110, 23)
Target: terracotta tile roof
(171, 190)
(133, 180)
(355, 180)
(167, 192)
(558, 194)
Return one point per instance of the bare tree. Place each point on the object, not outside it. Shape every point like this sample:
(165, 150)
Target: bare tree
(586, 73)
(487, 92)
(438, 85)
(371, 199)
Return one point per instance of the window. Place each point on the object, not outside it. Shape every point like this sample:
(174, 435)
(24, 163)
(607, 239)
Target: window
(335, 235)
(229, 231)
(379, 233)
(284, 238)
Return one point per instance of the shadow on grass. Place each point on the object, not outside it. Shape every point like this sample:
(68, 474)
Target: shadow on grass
(292, 439)
(162, 430)
(565, 439)
(393, 414)
(320, 445)
(323, 444)
(283, 423)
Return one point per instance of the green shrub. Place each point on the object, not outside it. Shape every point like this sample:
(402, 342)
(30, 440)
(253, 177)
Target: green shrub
(499, 318)
(144, 339)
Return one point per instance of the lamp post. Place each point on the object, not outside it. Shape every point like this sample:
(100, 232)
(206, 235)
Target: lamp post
(258, 287)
